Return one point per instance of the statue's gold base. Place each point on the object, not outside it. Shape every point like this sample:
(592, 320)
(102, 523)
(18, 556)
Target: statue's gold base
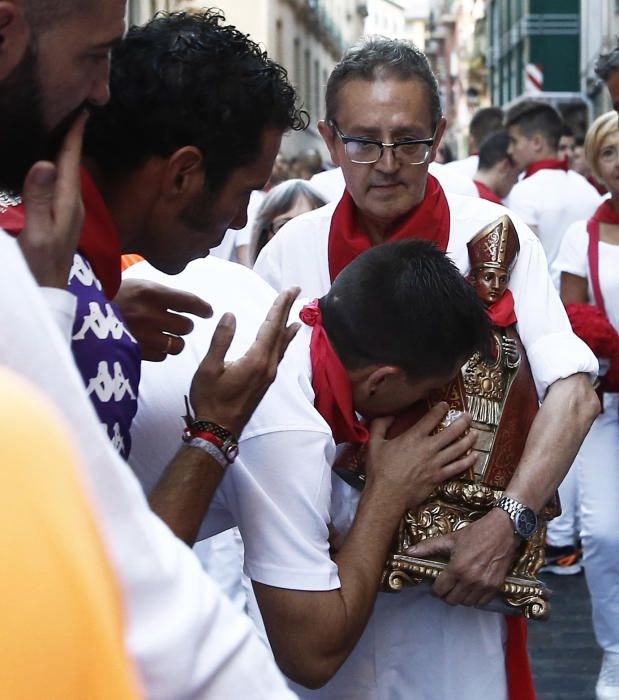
(520, 596)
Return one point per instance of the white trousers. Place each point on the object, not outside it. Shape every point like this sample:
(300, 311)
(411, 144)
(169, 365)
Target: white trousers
(597, 469)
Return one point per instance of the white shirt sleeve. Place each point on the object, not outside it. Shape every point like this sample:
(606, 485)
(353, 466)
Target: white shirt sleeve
(554, 351)
(572, 256)
(62, 306)
(280, 502)
(522, 203)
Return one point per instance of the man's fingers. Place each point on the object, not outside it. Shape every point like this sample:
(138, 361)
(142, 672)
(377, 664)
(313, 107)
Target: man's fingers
(379, 427)
(456, 468)
(177, 300)
(431, 420)
(454, 431)
(437, 546)
(69, 160)
(457, 449)
(220, 343)
(269, 333)
(38, 196)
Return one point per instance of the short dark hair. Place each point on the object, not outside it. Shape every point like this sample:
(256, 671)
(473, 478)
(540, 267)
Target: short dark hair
(378, 57)
(536, 117)
(607, 64)
(484, 122)
(494, 149)
(187, 79)
(404, 303)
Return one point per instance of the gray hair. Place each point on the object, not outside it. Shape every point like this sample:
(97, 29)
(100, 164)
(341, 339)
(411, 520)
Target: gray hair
(607, 64)
(378, 57)
(279, 200)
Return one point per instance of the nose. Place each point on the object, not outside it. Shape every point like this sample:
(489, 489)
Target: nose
(387, 163)
(99, 93)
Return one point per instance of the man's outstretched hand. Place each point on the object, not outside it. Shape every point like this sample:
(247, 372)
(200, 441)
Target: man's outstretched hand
(227, 393)
(54, 212)
(154, 314)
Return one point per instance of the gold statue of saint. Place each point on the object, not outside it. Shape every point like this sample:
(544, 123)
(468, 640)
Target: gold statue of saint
(499, 393)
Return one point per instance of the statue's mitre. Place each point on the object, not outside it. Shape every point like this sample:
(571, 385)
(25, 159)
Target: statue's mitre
(496, 245)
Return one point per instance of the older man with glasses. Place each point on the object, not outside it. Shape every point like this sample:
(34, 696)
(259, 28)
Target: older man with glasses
(383, 127)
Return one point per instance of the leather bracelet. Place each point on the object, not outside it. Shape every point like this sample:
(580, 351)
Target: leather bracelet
(210, 449)
(215, 434)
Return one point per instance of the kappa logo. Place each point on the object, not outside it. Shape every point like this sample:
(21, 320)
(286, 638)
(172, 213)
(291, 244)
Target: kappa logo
(117, 439)
(82, 271)
(101, 323)
(108, 387)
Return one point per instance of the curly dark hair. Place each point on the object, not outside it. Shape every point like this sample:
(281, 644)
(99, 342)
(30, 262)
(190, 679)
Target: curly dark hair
(186, 79)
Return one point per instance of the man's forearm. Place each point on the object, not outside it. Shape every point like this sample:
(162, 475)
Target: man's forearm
(328, 624)
(558, 430)
(183, 494)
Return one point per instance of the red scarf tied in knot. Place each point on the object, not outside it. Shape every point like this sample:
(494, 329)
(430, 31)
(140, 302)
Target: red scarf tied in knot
(606, 214)
(429, 221)
(332, 388)
(548, 164)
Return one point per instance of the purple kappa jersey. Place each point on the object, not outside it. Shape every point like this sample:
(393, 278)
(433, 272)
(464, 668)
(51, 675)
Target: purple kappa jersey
(107, 355)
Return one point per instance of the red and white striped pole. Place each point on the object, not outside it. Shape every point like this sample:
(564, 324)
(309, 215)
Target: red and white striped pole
(533, 78)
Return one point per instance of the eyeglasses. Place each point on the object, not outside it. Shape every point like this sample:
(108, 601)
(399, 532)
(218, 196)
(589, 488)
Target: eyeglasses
(366, 151)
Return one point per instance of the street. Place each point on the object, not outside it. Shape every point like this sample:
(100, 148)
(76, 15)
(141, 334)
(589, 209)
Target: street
(564, 656)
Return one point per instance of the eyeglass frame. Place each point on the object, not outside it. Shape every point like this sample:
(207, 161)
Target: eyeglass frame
(364, 139)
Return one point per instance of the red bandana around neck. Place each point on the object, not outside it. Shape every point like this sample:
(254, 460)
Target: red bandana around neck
(487, 193)
(331, 383)
(429, 221)
(548, 164)
(98, 243)
(502, 313)
(605, 214)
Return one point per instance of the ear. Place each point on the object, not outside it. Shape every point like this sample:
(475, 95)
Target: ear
(329, 137)
(378, 379)
(539, 141)
(184, 174)
(440, 130)
(14, 37)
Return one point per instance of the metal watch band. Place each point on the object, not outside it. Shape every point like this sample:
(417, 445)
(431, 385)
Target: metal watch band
(510, 505)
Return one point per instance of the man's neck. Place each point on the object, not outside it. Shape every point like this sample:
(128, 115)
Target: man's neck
(486, 177)
(546, 154)
(124, 201)
(377, 230)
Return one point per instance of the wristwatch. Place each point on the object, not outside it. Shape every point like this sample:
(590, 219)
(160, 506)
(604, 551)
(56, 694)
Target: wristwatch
(523, 518)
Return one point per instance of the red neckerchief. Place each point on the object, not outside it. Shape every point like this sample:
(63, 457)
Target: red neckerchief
(428, 221)
(605, 214)
(598, 185)
(487, 193)
(502, 312)
(98, 243)
(330, 381)
(549, 164)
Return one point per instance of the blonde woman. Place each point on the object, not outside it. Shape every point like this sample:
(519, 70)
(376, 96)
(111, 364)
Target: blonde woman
(588, 263)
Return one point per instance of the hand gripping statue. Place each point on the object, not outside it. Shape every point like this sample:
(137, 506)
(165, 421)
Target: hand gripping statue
(499, 393)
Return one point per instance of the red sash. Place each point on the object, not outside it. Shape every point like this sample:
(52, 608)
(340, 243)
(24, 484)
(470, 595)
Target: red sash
(549, 164)
(98, 243)
(487, 193)
(429, 221)
(330, 381)
(502, 313)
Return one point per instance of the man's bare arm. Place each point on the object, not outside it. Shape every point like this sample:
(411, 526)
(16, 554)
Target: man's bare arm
(226, 393)
(313, 632)
(481, 554)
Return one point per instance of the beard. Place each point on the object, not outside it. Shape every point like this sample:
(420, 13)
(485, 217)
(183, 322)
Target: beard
(24, 137)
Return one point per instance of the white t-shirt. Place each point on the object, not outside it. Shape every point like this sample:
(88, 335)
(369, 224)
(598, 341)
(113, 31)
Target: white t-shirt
(573, 258)
(552, 200)
(330, 184)
(467, 167)
(282, 494)
(185, 638)
(453, 181)
(298, 255)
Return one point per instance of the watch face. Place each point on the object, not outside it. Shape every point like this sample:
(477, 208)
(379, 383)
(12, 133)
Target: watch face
(526, 523)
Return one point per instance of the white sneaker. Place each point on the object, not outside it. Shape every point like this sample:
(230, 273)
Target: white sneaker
(607, 687)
